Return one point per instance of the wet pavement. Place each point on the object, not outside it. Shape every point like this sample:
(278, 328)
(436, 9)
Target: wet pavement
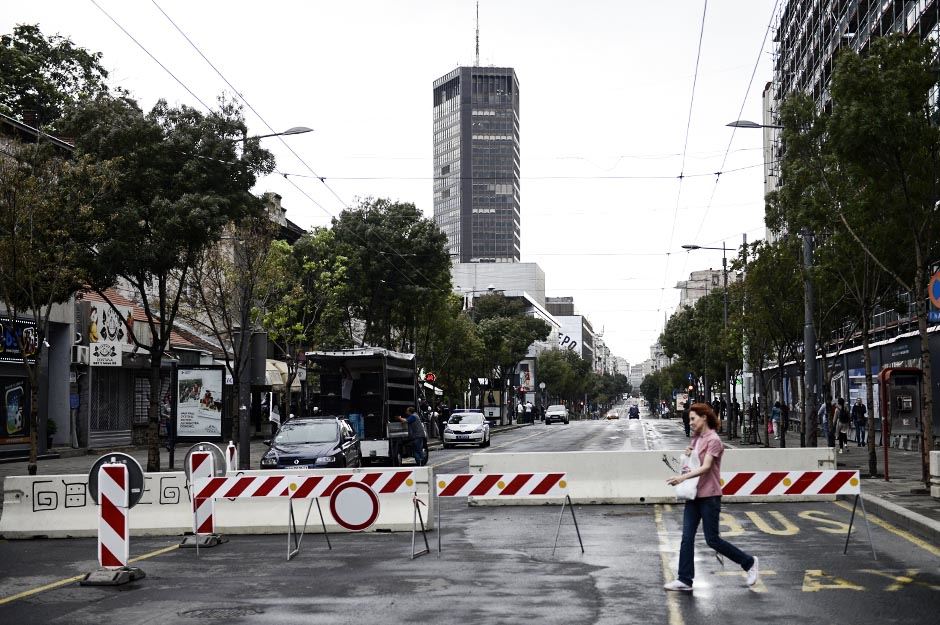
(497, 564)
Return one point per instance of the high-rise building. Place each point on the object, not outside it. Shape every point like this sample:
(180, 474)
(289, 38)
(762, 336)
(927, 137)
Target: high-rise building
(476, 163)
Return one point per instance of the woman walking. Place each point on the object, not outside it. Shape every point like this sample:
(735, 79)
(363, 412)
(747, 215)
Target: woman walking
(706, 506)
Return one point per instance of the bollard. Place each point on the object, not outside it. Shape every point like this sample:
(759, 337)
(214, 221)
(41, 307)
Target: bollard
(114, 502)
(231, 455)
(202, 466)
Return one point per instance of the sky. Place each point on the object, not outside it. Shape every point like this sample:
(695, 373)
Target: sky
(608, 118)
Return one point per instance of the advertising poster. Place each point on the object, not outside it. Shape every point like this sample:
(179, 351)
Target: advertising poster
(13, 332)
(199, 402)
(108, 333)
(15, 394)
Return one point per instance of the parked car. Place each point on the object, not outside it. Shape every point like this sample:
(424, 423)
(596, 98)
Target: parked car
(556, 413)
(467, 427)
(313, 443)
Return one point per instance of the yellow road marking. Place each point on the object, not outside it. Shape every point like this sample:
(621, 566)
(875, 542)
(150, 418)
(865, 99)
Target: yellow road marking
(759, 586)
(900, 581)
(786, 528)
(72, 580)
(923, 544)
(815, 580)
(672, 601)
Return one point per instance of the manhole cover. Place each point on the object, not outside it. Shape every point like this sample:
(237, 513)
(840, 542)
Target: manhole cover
(221, 613)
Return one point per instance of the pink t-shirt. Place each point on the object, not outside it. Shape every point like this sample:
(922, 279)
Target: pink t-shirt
(709, 483)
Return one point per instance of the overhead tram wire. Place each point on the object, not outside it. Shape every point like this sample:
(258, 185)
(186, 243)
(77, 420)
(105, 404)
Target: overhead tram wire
(292, 151)
(685, 147)
(734, 129)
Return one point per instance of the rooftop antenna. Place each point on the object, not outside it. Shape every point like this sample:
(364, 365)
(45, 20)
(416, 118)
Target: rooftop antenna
(478, 33)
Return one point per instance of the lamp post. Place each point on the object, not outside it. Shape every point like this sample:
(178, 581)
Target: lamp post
(724, 297)
(810, 393)
(251, 341)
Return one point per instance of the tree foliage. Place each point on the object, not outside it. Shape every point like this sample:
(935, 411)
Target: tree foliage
(45, 75)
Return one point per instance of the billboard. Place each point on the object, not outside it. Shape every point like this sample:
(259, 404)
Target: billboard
(15, 395)
(199, 401)
(108, 333)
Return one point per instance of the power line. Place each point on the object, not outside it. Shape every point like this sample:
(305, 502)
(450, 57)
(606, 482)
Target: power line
(688, 126)
(734, 129)
(289, 148)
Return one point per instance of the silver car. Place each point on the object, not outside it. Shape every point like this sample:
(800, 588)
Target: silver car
(467, 428)
(556, 413)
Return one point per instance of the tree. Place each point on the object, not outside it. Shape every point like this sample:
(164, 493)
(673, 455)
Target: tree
(306, 280)
(178, 181)
(398, 267)
(225, 289)
(883, 131)
(453, 348)
(44, 75)
(46, 232)
(507, 333)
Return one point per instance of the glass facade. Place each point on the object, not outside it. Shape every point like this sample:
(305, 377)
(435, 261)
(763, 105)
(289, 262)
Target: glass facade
(477, 163)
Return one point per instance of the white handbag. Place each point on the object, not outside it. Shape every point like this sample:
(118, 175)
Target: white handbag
(687, 489)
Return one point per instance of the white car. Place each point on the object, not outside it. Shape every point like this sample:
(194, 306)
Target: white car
(556, 413)
(467, 428)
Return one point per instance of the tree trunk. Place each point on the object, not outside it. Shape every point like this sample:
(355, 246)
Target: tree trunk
(927, 404)
(32, 467)
(784, 414)
(812, 422)
(869, 395)
(153, 414)
(765, 405)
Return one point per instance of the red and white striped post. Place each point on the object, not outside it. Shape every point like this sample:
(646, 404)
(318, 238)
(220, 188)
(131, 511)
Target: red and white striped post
(113, 504)
(202, 466)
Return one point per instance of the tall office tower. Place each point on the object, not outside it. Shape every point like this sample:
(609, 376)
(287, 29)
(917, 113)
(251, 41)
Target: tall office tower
(476, 163)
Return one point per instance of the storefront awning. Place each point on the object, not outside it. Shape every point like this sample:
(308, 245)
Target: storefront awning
(276, 375)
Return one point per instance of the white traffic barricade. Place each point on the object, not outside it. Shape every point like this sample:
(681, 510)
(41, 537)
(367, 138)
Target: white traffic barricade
(231, 458)
(353, 497)
(797, 484)
(508, 487)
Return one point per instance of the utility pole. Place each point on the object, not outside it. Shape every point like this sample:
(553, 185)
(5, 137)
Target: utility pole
(727, 398)
(809, 345)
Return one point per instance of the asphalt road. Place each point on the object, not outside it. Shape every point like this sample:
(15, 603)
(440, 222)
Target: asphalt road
(497, 565)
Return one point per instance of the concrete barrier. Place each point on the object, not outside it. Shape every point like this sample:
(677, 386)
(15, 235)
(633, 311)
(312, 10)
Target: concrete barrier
(614, 477)
(935, 474)
(60, 506)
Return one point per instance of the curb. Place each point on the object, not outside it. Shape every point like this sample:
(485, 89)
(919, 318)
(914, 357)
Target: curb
(901, 516)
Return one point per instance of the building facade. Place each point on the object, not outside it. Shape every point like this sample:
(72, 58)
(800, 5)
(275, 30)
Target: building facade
(477, 163)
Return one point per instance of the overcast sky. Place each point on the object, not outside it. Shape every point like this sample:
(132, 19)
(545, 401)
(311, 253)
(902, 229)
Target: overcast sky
(605, 91)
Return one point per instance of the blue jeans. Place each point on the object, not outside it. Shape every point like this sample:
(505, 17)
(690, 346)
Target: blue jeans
(860, 434)
(706, 510)
(355, 420)
(418, 445)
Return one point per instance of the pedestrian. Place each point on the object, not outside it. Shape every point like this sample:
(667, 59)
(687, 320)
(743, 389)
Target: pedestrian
(841, 421)
(443, 416)
(417, 435)
(528, 412)
(685, 419)
(860, 421)
(774, 425)
(706, 507)
(823, 417)
(520, 412)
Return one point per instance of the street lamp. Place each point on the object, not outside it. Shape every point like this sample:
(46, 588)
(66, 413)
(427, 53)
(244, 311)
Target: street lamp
(743, 123)
(724, 297)
(252, 352)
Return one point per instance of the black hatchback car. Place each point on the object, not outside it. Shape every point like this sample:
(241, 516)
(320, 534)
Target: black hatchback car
(314, 443)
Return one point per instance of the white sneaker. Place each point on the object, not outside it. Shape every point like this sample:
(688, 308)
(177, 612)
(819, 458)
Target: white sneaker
(752, 574)
(678, 586)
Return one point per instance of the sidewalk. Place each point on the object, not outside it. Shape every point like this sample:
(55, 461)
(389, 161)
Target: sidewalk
(904, 500)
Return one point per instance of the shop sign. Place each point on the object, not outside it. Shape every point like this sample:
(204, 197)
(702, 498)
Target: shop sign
(108, 333)
(12, 333)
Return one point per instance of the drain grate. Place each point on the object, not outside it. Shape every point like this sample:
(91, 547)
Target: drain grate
(221, 613)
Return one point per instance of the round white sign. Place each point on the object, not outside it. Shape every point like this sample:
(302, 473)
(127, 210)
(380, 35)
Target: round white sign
(354, 506)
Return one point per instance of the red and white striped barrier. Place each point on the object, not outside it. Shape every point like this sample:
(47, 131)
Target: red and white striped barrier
(502, 485)
(202, 466)
(776, 483)
(295, 486)
(231, 458)
(113, 504)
